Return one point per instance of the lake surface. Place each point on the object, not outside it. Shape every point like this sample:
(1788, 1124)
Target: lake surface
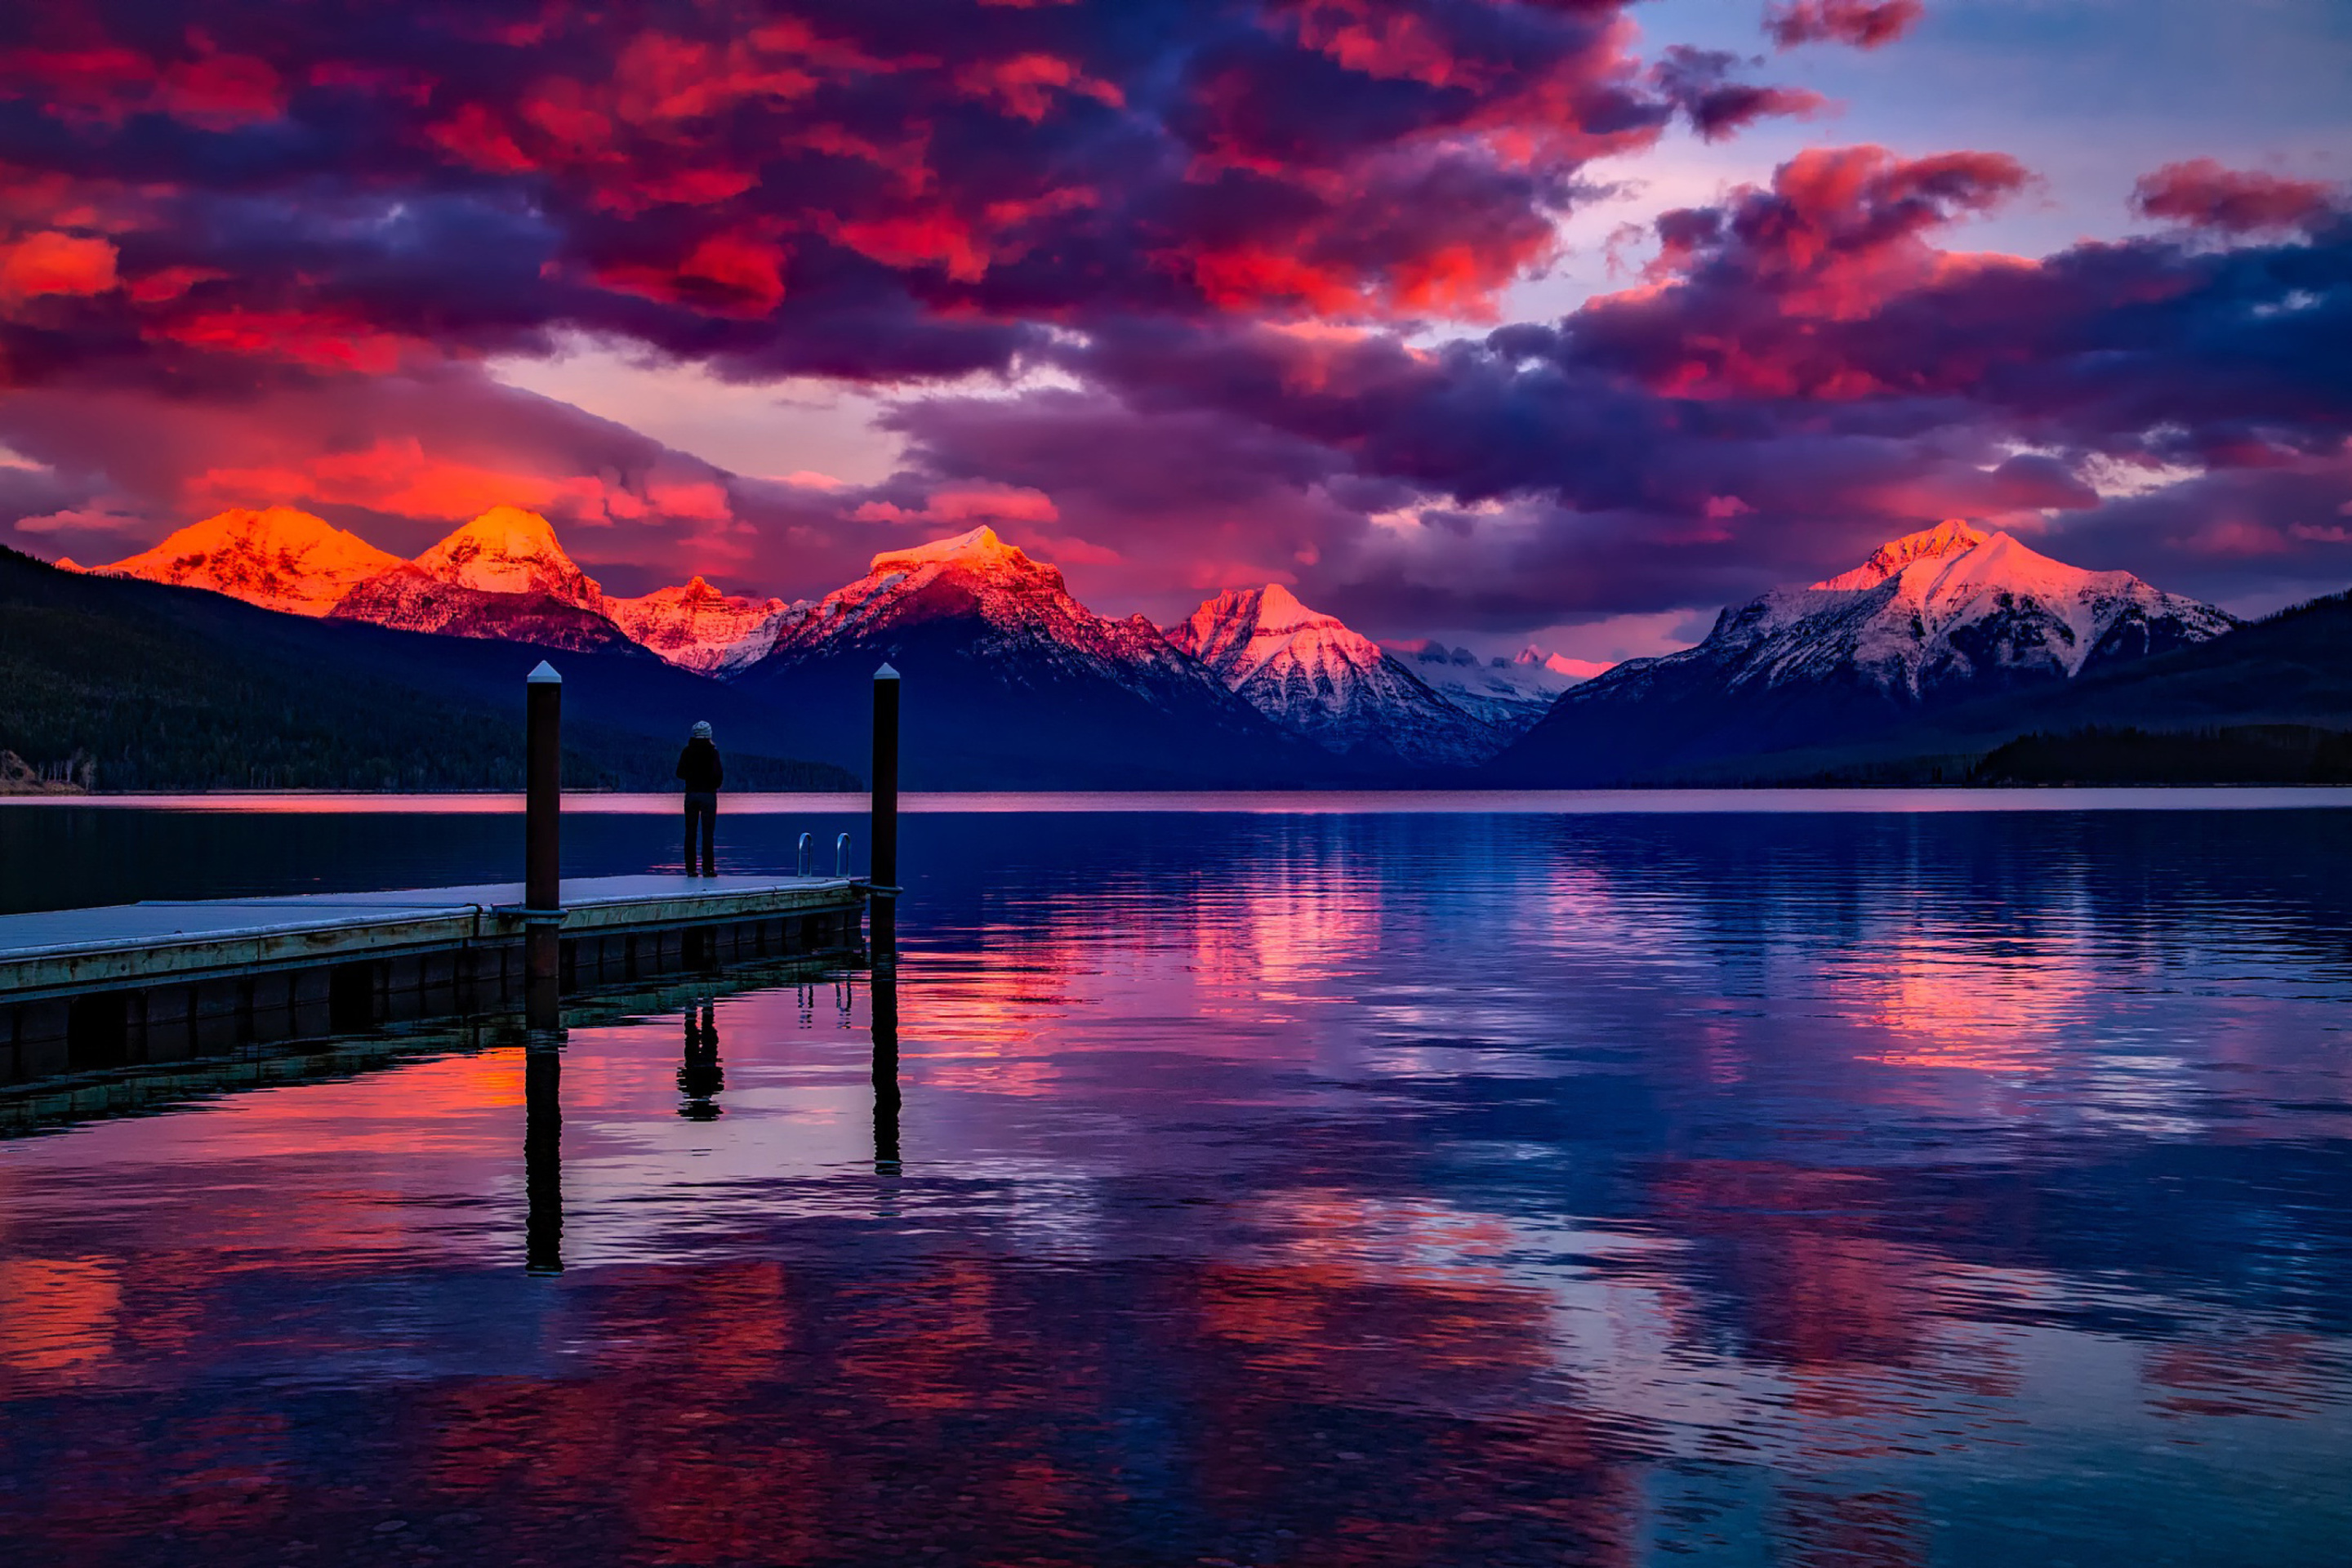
(1334, 1187)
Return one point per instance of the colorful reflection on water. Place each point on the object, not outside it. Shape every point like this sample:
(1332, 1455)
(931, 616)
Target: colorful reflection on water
(1319, 1190)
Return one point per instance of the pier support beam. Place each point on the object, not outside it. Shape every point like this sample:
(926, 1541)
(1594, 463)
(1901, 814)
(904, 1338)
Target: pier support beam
(885, 829)
(542, 894)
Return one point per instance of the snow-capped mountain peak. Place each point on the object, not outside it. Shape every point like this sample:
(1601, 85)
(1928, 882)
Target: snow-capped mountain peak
(1237, 633)
(701, 628)
(279, 558)
(1954, 604)
(1934, 618)
(510, 551)
(978, 549)
(1509, 694)
(1021, 607)
(1532, 657)
(1948, 538)
(1311, 674)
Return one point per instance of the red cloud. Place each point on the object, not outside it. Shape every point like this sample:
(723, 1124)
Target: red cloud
(979, 503)
(1864, 23)
(319, 340)
(2203, 194)
(1843, 231)
(723, 275)
(106, 83)
(1024, 85)
(53, 263)
(860, 196)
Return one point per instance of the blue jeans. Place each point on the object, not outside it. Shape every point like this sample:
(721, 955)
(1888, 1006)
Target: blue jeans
(702, 806)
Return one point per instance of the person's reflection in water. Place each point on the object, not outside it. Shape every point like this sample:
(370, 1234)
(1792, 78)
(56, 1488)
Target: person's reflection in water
(886, 1069)
(699, 1077)
(543, 1157)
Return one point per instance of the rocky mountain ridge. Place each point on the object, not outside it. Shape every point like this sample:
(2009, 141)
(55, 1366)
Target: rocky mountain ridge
(1943, 616)
(1315, 678)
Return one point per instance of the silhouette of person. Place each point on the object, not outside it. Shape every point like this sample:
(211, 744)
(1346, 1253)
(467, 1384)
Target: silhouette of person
(699, 1077)
(700, 771)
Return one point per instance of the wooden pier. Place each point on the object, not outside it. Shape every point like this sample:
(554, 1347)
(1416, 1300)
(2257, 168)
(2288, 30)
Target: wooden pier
(137, 985)
(154, 983)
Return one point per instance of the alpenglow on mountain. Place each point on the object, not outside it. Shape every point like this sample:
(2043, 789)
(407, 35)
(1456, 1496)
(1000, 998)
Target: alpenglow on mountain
(278, 558)
(504, 576)
(1022, 685)
(1312, 676)
(1930, 619)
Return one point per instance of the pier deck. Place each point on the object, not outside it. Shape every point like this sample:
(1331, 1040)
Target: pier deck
(165, 981)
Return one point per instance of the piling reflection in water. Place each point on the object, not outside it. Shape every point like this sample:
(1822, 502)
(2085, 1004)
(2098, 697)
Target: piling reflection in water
(542, 1157)
(699, 1077)
(883, 1024)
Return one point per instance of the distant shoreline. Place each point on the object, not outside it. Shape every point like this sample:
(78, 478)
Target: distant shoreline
(1842, 799)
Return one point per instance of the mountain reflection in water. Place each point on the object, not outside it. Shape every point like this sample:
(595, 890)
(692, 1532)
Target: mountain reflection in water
(1398, 1190)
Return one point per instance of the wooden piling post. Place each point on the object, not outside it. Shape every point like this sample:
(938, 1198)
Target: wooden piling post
(885, 829)
(542, 894)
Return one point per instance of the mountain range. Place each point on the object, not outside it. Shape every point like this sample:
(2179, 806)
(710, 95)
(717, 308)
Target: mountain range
(1027, 686)
(1012, 682)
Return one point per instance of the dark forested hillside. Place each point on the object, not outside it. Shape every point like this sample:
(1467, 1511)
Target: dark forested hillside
(141, 687)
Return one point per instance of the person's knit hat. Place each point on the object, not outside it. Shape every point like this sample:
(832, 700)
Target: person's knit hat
(703, 731)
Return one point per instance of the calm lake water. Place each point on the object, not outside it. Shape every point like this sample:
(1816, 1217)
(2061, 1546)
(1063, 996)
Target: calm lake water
(1352, 1187)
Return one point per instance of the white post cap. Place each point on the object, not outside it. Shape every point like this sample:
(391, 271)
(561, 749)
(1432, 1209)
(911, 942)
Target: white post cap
(886, 673)
(543, 676)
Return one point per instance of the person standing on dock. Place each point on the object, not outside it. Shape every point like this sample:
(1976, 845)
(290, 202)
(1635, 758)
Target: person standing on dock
(700, 770)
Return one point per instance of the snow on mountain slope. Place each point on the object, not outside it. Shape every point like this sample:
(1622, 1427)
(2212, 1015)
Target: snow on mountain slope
(410, 599)
(510, 551)
(502, 577)
(1953, 607)
(1314, 677)
(1011, 683)
(1020, 606)
(279, 558)
(1511, 694)
(697, 628)
(1937, 617)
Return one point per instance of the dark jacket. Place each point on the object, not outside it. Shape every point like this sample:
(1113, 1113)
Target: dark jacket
(699, 767)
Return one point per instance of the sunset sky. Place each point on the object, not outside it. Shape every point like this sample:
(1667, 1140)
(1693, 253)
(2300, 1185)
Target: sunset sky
(1565, 321)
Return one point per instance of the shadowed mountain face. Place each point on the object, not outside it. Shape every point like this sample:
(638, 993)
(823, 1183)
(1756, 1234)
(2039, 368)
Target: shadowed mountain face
(1930, 621)
(1317, 678)
(410, 599)
(1012, 683)
(1511, 695)
(164, 688)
